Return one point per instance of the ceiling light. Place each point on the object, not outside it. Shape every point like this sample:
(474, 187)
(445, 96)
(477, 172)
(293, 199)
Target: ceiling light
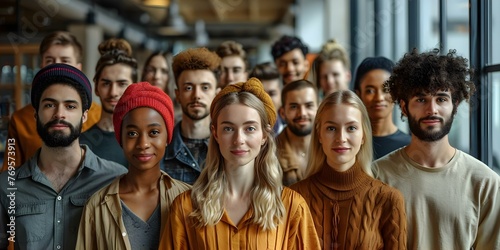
(156, 3)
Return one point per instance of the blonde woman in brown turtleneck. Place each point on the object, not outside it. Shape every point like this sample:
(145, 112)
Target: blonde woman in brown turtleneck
(351, 209)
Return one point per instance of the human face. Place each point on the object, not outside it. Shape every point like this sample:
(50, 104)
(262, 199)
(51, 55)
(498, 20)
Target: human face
(60, 54)
(292, 65)
(239, 134)
(144, 138)
(112, 82)
(233, 70)
(333, 76)
(378, 102)
(430, 116)
(341, 135)
(272, 88)
(195, 92)
(299, 111)
(59, 118)
(156, 72)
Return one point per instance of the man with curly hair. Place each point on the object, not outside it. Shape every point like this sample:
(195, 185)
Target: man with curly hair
(452, 199)
(289, 54)
(196, 87)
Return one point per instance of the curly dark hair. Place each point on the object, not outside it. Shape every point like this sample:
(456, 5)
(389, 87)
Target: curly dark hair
(430, 72)
(265, 71)
(287, 44)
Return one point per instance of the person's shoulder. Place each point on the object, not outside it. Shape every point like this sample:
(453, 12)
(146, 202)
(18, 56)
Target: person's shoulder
(290, 196)
(302, 185)
(26, 112)
(100, 195)
(24, 169)
(388, 161)
(383, 190)
(91, 129)
(102, 165)
(280, 138)
(393, 156)
(85, 136)
(174, 183)
(478, 170)
(183, 200)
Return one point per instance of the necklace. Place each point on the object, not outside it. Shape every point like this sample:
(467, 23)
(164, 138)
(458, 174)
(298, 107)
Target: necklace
(303, 154)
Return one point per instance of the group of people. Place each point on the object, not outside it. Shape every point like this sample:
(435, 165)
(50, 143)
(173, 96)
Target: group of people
(260, 159)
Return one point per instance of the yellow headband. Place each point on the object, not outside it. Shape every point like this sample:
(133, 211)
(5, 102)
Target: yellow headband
(254, 86)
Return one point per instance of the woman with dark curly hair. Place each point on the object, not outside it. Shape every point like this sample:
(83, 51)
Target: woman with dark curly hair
(452, 199)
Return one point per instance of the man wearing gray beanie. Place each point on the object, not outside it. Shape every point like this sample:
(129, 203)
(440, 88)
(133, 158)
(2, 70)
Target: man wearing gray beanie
(41, 202)
(370, 77)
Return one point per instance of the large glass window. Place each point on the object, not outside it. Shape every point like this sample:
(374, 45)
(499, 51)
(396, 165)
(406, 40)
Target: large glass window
(457, 38)
(495, 32)
(429, 24)
(495, 120)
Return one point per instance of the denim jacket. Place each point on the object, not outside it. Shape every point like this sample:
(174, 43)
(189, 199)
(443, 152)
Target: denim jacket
(179, 163)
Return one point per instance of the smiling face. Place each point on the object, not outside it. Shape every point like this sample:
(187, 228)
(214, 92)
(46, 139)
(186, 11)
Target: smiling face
(239, 133)
(333, 76)
(292, 65)
(111, 84)
(144, 138)
(378, 102)
(341, 135)
(59, 117)
(299, 111)
(430, 116)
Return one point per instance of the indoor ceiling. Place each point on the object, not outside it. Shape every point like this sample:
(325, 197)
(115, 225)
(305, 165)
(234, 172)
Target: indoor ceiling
(182, 19)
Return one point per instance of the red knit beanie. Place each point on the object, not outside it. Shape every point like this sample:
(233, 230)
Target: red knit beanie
(143, 94)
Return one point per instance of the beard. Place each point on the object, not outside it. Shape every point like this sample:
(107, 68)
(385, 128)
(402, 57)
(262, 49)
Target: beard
(195, 115)
(58, 138)
(427, 134)
(298, 131)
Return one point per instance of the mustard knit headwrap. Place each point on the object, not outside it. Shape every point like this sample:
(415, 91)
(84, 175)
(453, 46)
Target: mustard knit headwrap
(254, 86)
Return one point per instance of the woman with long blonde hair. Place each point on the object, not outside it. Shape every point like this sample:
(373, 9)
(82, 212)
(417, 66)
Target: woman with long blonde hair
(350, 209)
(239, 200)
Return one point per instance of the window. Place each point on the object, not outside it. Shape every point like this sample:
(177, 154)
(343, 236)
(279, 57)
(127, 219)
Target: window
(494, 33)
(495, 120)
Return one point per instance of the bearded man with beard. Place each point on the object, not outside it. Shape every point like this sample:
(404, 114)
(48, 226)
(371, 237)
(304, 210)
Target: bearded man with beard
(196, 87)
(300, 102)
(51, 188)
(452, 199)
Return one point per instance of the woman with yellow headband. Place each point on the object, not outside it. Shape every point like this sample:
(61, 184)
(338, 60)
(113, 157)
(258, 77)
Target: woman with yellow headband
(239, 202)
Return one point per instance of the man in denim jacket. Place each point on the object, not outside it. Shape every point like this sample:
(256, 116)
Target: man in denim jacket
(196, 82)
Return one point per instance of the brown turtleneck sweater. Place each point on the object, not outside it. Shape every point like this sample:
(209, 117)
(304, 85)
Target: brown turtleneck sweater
(352, 210)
